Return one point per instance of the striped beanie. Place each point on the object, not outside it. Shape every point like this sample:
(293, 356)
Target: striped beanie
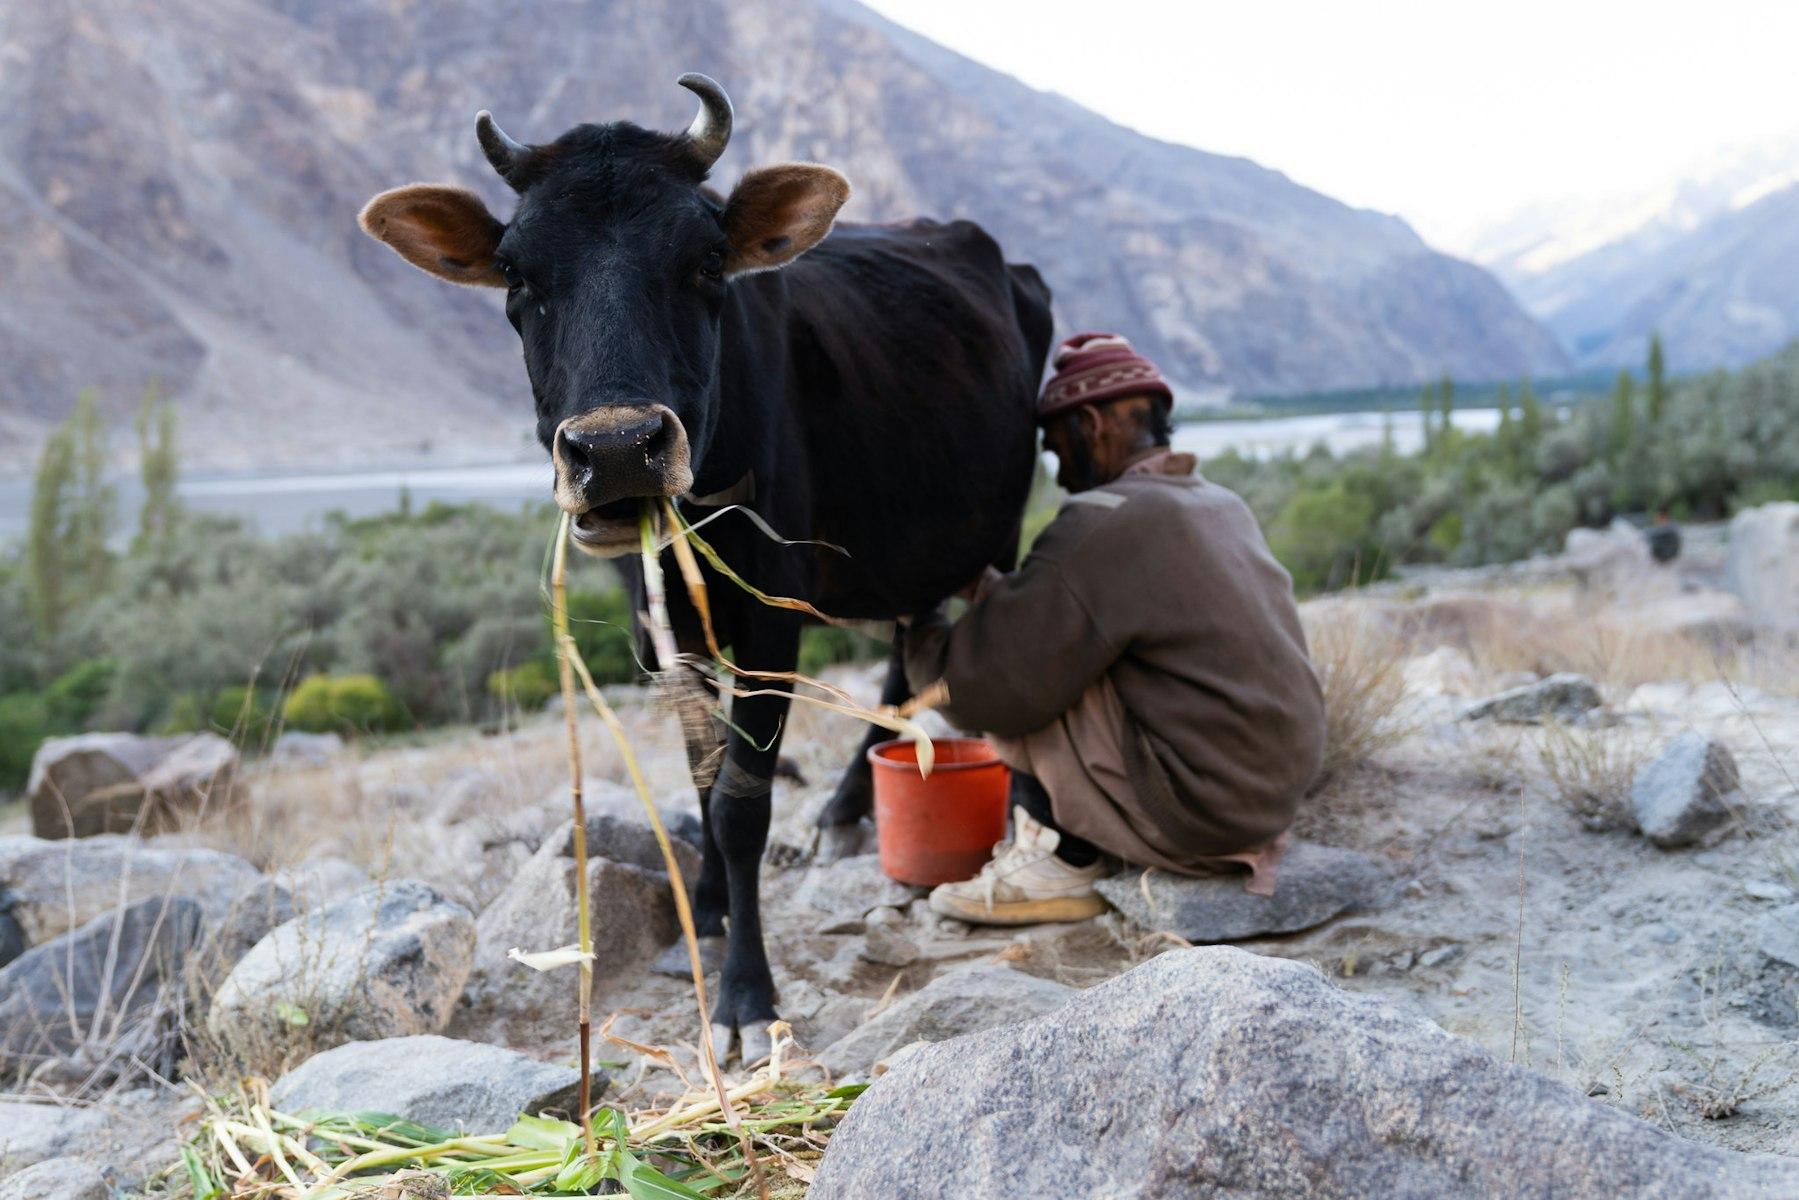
(1095, 367)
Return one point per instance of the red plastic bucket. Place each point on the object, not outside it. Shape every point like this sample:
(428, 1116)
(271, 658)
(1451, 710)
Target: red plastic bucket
(941, 829)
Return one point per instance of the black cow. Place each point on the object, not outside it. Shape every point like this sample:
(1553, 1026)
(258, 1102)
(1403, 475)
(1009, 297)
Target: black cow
(875, 395)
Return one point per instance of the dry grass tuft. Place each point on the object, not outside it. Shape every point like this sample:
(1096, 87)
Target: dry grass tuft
(1589, 771)
(1360, 664)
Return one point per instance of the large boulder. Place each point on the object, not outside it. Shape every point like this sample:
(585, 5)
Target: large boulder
(1564, 697)
(1314, 884)
(122, 783)
(437, 1081)
(57, 885)
(1762, 567)
(957, 1002)
(388, 960)
(631, 907)
(1215, 1072)
(97, 998)
(1682, 794)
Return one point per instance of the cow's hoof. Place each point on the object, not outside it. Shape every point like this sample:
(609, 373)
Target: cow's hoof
(753, 1043)
(674, 961)
(721, 1042)
(838, 842)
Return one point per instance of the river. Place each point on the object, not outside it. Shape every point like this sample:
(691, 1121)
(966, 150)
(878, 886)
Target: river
(293, 501)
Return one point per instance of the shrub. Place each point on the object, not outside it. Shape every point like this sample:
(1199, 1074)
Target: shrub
(528, 685)
(823, 645)
(24, 724)
(348, 704)
(1324, 536)
(600, 623)
(244, 713)
(74, 695)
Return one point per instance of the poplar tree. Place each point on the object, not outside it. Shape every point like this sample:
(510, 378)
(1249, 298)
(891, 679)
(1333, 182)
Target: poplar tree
(45, 562)
(1623, 415)
(159, 467)
(1658, 383)
(1530, 414)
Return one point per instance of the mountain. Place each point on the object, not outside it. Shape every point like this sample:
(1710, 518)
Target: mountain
(1710, 259)
(183, 177)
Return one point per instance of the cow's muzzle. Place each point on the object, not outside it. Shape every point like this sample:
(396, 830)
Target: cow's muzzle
(607, 460)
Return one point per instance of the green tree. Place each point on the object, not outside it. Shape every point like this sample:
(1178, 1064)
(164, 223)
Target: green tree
(91, 504)
(1530, 415)
(45, 549)
(1427, 407)
(1658, 383)
(1623, 423)
(158, 465)
(1446, 399)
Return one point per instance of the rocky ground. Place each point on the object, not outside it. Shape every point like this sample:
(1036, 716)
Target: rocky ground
(1506, 886)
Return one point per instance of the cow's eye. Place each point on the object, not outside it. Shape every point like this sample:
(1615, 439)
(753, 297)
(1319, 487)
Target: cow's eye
(713, 265)
(510, 274)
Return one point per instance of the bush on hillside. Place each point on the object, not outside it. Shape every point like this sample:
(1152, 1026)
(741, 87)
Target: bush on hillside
(346, 704)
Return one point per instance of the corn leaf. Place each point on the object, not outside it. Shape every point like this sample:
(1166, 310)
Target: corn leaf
(543, 1133)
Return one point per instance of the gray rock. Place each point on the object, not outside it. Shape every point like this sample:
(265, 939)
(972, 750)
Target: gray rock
(1315, 883)
(889, 947)
(65, 772)
(99, 995)
(1563, 697)
(130, 1134)
(296, 749)
(632, 908)
(1776, 935)
(57, 1179)
(385, 961)
(1763, 562)
(1215, 1072)
(438, 1081)
(852, 887)
(58, 885)
(1681, 795)
(470, 794)
(319, 881)
(957, 1002)
(122, 783)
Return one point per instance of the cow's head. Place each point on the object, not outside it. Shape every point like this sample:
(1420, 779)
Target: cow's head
(616, 264)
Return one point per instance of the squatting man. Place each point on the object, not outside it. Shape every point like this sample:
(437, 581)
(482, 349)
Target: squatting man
(1143, 672)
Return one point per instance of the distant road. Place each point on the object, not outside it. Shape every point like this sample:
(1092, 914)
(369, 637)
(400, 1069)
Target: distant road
(288, 502)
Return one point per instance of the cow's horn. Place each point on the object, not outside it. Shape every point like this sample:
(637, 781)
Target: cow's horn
(711, 128)
(500, 149)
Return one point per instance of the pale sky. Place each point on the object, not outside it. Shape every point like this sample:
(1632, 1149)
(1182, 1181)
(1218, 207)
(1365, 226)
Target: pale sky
(1451, 114)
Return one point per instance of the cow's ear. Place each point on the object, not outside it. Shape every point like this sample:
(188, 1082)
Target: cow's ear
(438, 228)
(775, 214)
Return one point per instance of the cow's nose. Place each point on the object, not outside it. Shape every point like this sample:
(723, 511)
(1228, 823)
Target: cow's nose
(616, 453)
(593, 450)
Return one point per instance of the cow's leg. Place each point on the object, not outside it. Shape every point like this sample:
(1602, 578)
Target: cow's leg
(710, 894)
(738, 812)
(840, 829)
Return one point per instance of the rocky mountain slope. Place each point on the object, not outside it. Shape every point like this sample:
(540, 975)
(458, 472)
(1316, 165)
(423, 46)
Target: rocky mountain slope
(182, 179)
(1711, 260)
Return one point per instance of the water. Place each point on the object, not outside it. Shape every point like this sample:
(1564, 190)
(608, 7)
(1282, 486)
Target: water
(294, 501)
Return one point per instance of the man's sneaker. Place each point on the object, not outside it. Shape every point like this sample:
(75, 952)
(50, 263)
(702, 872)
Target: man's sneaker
(1024, 884)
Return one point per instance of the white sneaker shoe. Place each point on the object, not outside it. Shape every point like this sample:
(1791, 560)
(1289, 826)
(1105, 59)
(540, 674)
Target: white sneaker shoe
(1024, 884)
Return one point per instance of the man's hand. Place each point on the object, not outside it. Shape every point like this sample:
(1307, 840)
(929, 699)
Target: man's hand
(977, 587)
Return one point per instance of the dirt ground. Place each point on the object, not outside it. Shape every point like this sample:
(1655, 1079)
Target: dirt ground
(1628, 972)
